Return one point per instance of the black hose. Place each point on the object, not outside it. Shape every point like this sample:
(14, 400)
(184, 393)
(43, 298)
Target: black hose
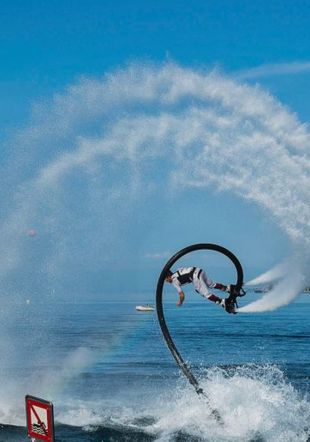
(160, 312)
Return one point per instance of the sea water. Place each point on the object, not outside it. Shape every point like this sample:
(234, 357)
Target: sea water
(111, 377)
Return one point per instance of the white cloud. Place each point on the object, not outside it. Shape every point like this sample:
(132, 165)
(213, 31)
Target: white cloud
(157, 255)
(270, 70)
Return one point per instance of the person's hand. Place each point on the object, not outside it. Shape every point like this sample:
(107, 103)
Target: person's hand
(181, 299)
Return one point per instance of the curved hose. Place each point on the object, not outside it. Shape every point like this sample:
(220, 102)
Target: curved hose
(160, 312)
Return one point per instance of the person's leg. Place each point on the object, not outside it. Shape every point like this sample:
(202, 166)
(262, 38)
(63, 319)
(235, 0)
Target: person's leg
(219, 286)
(201, 285)
(211, 284)
(215, 299)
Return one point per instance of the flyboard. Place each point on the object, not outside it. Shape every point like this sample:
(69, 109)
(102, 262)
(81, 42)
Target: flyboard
(236, 291)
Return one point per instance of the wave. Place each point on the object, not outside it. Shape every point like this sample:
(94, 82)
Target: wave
(256, 403)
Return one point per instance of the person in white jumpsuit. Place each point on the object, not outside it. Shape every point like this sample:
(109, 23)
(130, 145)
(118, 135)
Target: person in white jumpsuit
(201, 282)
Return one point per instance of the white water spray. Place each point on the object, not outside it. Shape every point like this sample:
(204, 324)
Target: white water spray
(117, 134)
(287, 281)
(271, 275)
(100, 149)
(282, 294)
(256, 403)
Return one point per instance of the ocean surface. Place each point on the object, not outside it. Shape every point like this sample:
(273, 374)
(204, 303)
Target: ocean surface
(111, 377)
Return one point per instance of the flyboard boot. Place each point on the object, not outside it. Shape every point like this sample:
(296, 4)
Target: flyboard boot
(225, 303)
(229, 306)
(230, 303)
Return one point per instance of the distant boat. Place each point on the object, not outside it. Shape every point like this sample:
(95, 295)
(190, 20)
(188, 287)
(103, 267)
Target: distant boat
(145, 308)
(307, 290)
(263, 289)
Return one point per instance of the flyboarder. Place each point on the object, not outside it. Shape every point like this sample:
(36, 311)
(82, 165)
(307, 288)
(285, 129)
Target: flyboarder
(202, 284)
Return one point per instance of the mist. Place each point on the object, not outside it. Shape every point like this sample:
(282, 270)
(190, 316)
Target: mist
(94, 155)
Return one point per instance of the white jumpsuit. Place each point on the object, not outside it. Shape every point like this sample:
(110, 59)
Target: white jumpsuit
(195, 275)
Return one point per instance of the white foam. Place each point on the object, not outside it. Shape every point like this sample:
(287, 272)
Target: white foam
(253, 401)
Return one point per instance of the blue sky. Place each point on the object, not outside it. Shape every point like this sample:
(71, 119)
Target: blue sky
(46, 47)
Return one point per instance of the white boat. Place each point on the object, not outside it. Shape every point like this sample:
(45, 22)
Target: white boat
(145, 308)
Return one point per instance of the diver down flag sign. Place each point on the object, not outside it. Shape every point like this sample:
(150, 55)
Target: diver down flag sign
(40, 419)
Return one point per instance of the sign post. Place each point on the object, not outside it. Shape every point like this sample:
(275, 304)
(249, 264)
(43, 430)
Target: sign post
(40, 419)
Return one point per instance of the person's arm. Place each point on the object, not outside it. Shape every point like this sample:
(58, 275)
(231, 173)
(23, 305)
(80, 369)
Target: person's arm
(181, 298)
(178, 287)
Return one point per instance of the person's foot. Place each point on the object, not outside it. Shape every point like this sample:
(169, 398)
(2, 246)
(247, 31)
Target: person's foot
(228, 306)
(215, 299)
